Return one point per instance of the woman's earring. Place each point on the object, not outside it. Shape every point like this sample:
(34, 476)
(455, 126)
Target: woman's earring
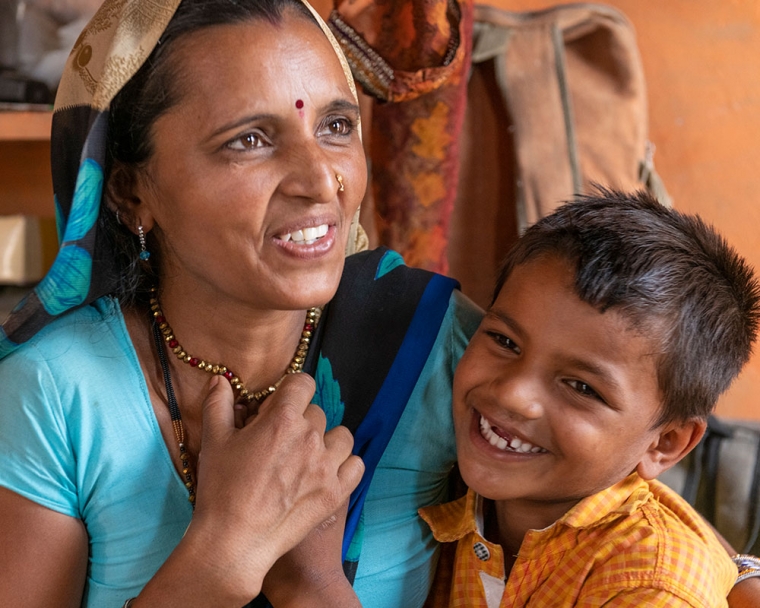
(339, 177)
(144, 253)
(118, 217)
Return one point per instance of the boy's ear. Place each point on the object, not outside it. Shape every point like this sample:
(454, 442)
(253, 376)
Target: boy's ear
(124, 195)
(674, 441)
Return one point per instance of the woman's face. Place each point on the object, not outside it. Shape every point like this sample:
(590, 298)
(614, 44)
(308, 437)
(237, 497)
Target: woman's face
(241, 190)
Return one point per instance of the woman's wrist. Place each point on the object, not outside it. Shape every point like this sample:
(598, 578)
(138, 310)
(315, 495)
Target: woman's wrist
(207, 569)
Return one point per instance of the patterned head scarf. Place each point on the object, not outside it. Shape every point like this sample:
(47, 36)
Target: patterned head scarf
(110, 50)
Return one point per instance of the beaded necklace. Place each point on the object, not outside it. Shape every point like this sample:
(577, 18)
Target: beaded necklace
(163, 334)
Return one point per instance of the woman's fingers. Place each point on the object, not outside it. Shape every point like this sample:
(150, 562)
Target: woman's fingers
(292, 397)
(350, 473)
(218, 413)
(279, 476)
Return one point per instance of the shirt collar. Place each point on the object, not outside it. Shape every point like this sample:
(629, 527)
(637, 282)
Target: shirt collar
(622, 499)
(454, 520)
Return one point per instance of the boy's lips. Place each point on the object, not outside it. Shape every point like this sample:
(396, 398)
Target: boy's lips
(504, 441)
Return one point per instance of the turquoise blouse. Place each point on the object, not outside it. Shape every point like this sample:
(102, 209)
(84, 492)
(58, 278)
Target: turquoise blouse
(78, 435)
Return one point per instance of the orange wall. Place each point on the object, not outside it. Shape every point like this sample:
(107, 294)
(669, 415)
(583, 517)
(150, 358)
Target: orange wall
(702, 64)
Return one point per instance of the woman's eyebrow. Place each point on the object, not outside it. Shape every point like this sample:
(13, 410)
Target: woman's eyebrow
(338, 105)
(244, 120)
(342, 105)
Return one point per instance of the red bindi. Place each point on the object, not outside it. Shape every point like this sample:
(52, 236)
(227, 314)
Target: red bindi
(299, 104)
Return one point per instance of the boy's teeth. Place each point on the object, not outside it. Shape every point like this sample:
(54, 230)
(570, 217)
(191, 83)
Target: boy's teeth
(514, 445)
(305, 236)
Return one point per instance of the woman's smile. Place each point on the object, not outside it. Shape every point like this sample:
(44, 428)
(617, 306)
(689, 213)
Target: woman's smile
(309, 242)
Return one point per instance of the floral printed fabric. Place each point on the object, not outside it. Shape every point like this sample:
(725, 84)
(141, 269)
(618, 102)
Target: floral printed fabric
(413, 57)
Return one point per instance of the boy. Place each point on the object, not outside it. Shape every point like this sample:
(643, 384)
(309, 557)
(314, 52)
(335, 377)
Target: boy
(615, 326)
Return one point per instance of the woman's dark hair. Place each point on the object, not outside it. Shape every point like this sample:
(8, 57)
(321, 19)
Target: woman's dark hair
(155, 88)
(673, 277)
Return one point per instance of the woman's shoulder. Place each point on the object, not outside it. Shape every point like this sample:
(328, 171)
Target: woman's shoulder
(381, 277)
(74, 337)
(465, 314)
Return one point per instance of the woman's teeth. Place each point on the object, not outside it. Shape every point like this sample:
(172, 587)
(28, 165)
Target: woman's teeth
(305, 236)
(513, 445)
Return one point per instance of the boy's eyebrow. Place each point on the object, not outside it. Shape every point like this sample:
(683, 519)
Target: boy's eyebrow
(596, 370)
(507, 320)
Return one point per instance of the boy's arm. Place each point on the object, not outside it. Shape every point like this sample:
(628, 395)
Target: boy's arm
(311, 575)
(745, 594)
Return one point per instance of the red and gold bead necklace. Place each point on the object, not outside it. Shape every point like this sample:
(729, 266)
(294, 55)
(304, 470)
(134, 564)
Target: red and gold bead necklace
(163, 334)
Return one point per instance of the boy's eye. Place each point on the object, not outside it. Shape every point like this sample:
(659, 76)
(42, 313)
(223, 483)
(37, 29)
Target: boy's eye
(503, 341)
(584, 389)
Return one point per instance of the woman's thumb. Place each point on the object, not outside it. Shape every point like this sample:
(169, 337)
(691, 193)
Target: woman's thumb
(218, 409)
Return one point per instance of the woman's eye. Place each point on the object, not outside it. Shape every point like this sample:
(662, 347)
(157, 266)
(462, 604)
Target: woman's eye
(584, 389)
(339, 126)
(503, 341)
(249, 141)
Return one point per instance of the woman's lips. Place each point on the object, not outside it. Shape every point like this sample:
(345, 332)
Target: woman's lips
(304, 236)
(307, 242)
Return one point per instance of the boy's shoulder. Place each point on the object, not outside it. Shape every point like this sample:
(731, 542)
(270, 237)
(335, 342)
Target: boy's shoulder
(636, 541)
(656, 540)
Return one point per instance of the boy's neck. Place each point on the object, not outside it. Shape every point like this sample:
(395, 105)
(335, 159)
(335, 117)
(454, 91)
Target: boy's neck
(507, 522)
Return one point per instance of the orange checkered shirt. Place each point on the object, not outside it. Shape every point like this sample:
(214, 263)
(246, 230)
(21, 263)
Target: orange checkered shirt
(635, 544)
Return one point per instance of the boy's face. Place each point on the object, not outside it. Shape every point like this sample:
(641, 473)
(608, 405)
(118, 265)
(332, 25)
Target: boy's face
(553, 400)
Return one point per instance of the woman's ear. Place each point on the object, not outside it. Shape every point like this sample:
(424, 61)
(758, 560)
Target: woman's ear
(673, 442)
(123, 197)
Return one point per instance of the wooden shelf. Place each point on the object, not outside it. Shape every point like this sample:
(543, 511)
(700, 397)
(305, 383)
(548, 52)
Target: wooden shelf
(25, 126)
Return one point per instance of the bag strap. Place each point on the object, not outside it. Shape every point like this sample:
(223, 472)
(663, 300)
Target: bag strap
(700, 487)
(753, 524)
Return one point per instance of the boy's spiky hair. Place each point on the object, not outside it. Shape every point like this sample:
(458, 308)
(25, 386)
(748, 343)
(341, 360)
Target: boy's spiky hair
(670, 274)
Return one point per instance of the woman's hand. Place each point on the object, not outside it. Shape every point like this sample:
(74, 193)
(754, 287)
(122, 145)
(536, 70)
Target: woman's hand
(311, 574)
(261, 490)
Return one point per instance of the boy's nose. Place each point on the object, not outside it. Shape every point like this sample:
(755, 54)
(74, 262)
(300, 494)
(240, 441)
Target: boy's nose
(518, 395)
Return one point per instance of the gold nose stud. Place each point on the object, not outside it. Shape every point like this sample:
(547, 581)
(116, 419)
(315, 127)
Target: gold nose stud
(339, 177)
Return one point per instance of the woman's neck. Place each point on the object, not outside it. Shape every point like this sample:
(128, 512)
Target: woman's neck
(255, 345)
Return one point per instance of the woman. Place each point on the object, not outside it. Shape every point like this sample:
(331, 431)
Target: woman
(233, 171)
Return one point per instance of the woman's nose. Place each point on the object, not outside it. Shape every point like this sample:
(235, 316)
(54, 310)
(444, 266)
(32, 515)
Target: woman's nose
(310, 175)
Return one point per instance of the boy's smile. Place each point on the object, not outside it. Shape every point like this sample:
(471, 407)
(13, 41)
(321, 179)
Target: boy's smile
(553, 400)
